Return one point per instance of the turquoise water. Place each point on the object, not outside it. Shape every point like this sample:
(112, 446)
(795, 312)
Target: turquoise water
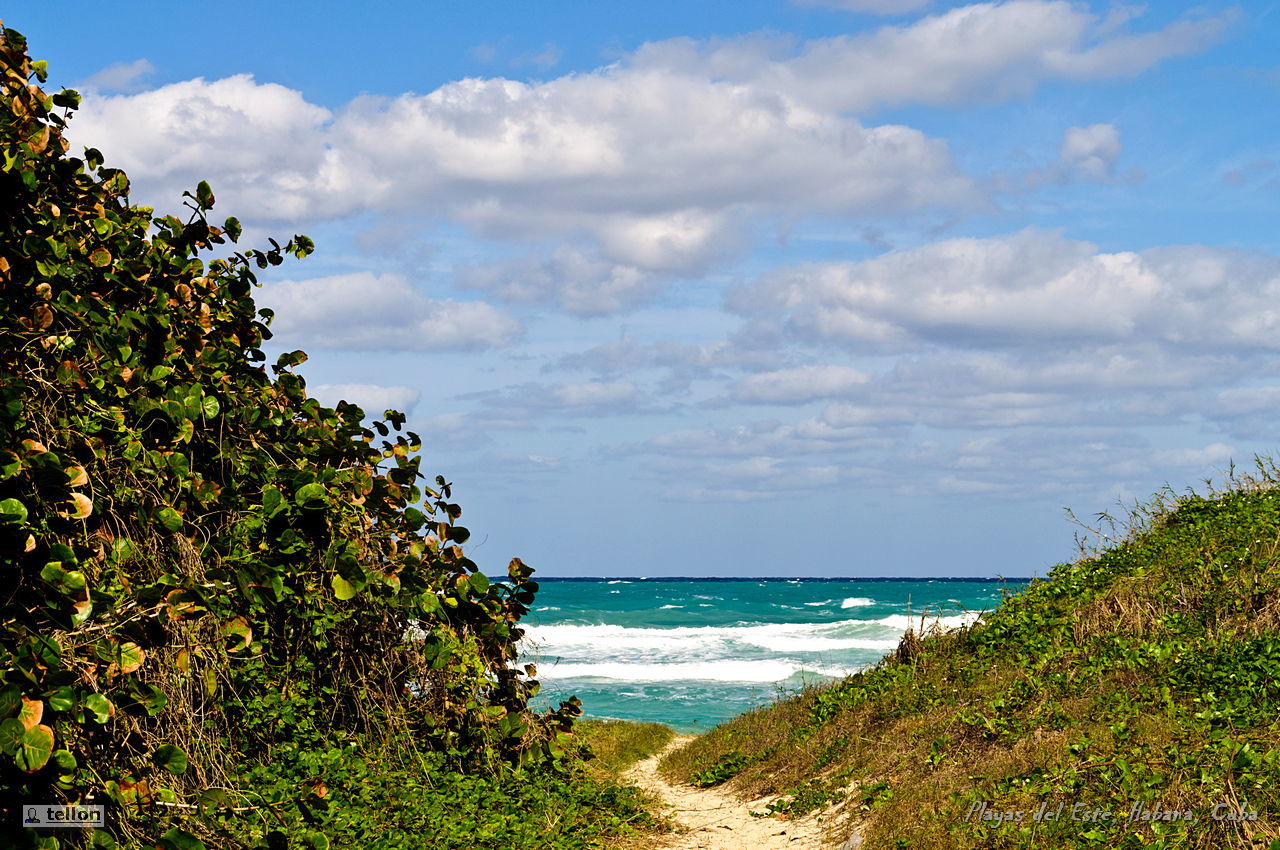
(694, 652)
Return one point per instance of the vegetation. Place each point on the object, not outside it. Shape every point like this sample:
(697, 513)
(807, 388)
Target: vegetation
(614, 745)
(1146, 675)
(238, 618)
(228, 613)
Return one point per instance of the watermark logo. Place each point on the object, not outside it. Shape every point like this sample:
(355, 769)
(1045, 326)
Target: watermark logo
(1140, 812)
(53, 816)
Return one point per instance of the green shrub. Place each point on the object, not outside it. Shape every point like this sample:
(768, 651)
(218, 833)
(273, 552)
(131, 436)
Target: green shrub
(216, 594)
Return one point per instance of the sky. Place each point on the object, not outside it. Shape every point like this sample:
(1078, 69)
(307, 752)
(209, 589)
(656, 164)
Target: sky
(761, 288)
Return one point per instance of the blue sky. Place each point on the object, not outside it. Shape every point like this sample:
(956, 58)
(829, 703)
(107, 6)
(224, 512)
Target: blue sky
(833, 287)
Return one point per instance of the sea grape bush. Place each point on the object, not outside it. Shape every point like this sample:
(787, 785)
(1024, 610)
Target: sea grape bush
(197, 559)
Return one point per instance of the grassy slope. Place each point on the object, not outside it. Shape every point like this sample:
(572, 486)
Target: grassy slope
(1148, 673)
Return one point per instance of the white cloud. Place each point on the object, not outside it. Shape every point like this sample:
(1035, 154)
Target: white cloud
(979, 53)
(769, 438)
(372, 398)
(1245, 400)
(965, 486)
(1202, 458)
(259, 143)
(548, 57)
(1086, 154)
(655, 169)
(799, 385)
(627, 353)
(592, 394)
(367, 312)
(576, 283)
(522, 404)
(1033, 288)
(874, 7)
(120, 77)
(1091, 151)
(858, 416)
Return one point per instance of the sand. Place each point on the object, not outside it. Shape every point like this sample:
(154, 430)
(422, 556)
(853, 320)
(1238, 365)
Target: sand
(714, 819)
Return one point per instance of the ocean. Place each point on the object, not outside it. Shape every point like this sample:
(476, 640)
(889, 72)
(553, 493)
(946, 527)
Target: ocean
(693, 652)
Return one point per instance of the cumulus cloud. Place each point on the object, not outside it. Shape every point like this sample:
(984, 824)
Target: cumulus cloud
(1087, 154)
(979, 53)
(651, 167)
(1033, 288)
(260, 143)
(1091, 151)
(577, 283)
(368, 312)
(799, 385)
(770, 438)
(873, 7)
(656, 168)
(372, 398)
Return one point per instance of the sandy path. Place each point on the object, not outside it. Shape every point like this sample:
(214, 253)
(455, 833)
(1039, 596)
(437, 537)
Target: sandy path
(716, 820)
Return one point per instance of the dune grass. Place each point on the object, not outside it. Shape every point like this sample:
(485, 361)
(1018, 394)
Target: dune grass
(615, 745)
(1146, 674)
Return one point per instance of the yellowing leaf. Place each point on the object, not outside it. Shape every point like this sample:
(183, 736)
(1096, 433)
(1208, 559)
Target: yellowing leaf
(37, 746)
(78, 506)
(126, 658)
(239, 629)
(30, 713)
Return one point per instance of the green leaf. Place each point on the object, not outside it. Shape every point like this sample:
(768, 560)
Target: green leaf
(170, 519)
(171, 759)
(11, 734)
(10, 700)
(63, 699)
(66, 581)
(127, 657)
(177, 839)
(210, 406)
(204, 194)
(122, 550)
(342, 588)
(311, 495)
(480, 583)
(37, 747)
(99, 707)
(239, 629)
(149, 697)
(64, 760)
(12, 512)
(271, 500)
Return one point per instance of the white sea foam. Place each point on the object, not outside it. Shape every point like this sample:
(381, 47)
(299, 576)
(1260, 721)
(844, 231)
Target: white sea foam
(689, 642)
(667, 607)
(903, 621)
(857, 602)
(778, 670)
(817, 604)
